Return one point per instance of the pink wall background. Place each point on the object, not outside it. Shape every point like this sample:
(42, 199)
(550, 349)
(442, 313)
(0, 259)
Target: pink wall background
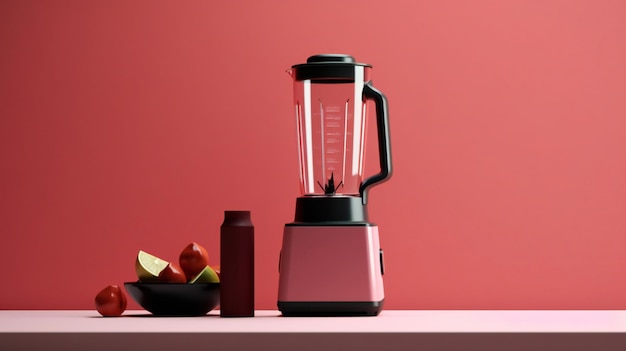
(128, 125)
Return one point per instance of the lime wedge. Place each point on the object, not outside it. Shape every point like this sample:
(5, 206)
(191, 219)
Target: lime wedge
(148, 266)
(207, 275)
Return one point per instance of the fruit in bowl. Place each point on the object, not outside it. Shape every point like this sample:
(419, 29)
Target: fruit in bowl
(193, 259)
(193, 267)
(148, 267)
(207, 275)
(172, 274)
(166, 289)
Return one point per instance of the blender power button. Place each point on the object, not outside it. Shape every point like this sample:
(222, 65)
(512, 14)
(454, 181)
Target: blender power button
(382, 263)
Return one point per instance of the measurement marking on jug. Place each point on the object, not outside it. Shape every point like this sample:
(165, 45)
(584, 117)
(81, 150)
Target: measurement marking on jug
(322, 135)
(345, 138)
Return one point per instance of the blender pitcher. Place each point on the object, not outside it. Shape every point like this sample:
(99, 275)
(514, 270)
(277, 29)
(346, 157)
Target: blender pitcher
(331, 118)
(331, 262)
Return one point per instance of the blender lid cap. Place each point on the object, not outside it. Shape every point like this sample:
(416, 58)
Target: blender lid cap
(328, 66)
(331, 58)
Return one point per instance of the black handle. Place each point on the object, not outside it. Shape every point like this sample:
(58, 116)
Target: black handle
(384, 144)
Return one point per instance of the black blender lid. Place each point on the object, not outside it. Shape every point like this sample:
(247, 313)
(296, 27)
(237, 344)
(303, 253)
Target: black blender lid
(327, 66)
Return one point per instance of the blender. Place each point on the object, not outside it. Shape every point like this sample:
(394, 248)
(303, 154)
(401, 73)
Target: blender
(331, 263)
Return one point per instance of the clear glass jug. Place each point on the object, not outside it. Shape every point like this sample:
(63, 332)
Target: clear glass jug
(330, 93)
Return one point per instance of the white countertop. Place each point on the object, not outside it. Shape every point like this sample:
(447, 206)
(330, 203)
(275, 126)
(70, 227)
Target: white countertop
(432, 329)
(392, 321)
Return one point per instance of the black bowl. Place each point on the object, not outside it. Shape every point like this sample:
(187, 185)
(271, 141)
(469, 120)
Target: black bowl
(175, 299)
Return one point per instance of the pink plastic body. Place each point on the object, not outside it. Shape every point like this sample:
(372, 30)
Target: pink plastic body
(330, 263)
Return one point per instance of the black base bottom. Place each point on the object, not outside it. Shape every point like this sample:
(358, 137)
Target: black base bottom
(330, 309)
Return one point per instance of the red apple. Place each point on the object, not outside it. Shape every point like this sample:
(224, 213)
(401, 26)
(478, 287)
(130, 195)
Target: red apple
(111, 301)
(172, 274)
(193, 259)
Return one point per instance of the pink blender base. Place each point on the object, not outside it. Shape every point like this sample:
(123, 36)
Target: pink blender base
(331, 270)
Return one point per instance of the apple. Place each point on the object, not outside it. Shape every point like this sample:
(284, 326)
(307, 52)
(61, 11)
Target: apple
(172, 274)
(111, 301)
(193, 259)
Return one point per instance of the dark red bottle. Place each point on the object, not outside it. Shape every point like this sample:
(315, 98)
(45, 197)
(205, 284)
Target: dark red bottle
(237, 265)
